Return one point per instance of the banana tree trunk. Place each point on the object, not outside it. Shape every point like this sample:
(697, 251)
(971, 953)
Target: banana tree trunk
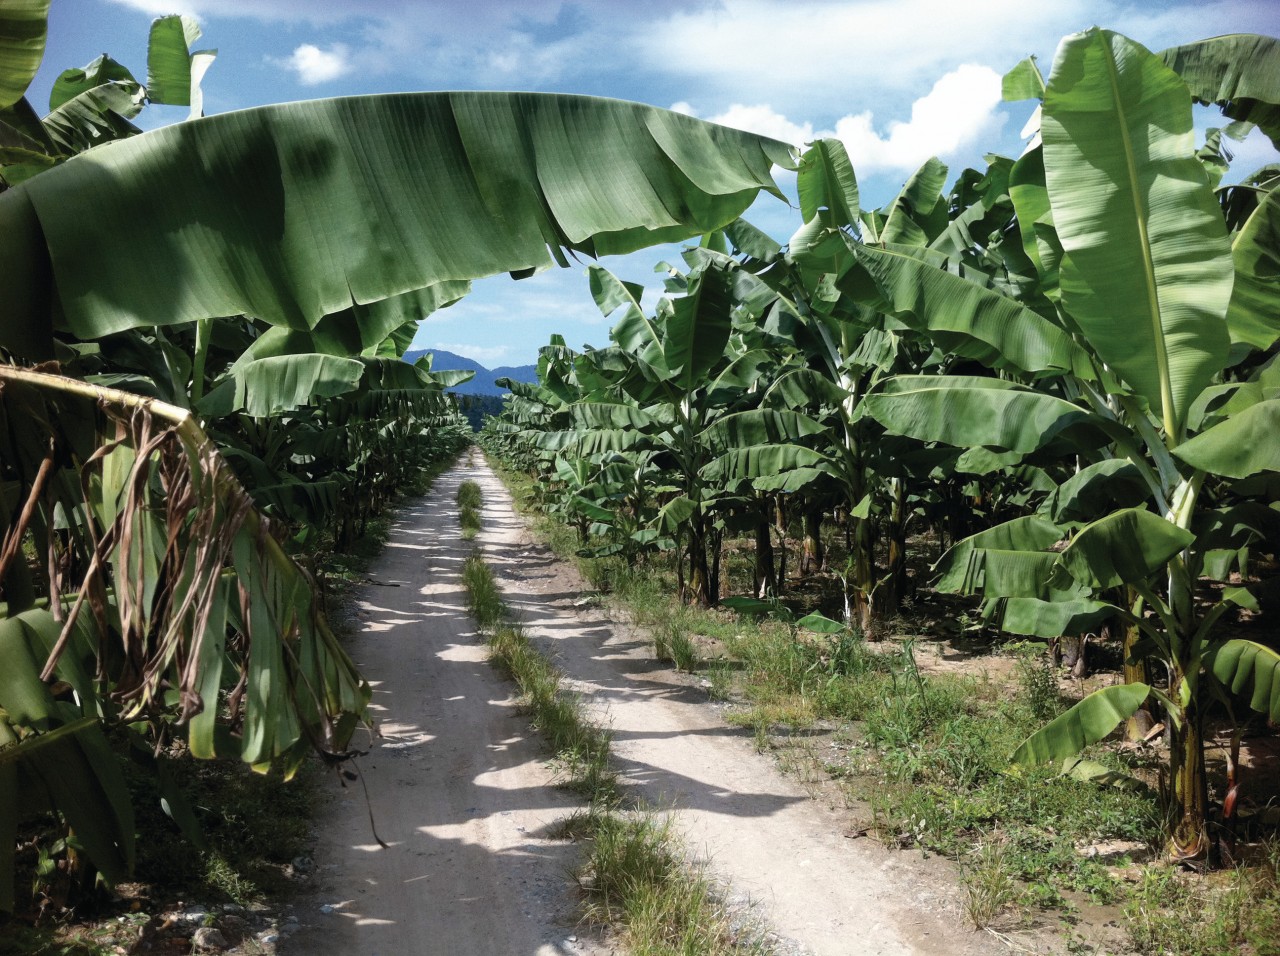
(698, 588)
(813, 556)
(1135, 668)
(1188, 790)
(894, 583)
(780, 524)
(766, 579)
(717, 553)
(864, 577)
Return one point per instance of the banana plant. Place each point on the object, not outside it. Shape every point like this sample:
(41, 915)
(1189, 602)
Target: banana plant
(817, 303)
(695, 377)
(1132, 253)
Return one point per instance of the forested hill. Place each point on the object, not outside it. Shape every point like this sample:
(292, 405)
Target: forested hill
(483, 383)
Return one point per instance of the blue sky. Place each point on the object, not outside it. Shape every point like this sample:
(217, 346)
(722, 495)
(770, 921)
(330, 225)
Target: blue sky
(897, 80)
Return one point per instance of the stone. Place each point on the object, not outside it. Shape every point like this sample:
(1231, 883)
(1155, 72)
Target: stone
(207, 939)
(1113, 851)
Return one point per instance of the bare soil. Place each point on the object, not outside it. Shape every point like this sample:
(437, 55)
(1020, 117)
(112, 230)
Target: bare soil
(460, 790)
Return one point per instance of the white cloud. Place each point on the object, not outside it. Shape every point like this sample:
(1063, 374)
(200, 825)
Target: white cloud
(487, 355)
(763, 120)
(959, 111)
(830, 58)
(314, 66)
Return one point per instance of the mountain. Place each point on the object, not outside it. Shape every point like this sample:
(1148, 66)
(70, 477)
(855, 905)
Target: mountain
(483, 383)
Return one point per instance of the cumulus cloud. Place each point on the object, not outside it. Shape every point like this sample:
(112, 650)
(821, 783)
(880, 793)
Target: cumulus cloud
(961, 108)
(826, 58)
(763, 120)
(314, 66)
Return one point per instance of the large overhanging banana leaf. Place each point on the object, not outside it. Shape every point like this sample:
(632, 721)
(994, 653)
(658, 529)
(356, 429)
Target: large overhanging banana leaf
(1148, 271)
(1239, 72)
(294, 212)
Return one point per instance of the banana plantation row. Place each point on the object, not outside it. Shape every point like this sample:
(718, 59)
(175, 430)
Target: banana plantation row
(200, 327)
(1065, 367)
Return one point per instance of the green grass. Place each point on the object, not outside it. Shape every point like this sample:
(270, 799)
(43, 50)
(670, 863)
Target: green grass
(470, 501)
(469, 520)
(469, 495)
(1183, 914)
(580, 746)
(638, 875)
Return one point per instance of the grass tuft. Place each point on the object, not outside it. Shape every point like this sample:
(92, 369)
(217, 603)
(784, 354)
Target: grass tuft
(469, 495)
(638, 875)
(1173, 913)
(990, 885)
(469, 503)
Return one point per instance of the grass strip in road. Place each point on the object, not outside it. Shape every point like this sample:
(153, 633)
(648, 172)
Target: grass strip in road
(469, 502)
(581, 747)
(636, 875)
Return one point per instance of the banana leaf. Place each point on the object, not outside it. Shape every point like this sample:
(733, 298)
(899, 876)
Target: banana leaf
(348, 201)
(1249, 668)
(1239, 72)
(1125, 547)
(23, 31)
(1143, 236)
(1031, 533)
(1085, 723)
(1243, 445)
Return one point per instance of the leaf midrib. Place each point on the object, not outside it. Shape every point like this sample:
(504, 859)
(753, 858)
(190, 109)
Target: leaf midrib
(1148, 265)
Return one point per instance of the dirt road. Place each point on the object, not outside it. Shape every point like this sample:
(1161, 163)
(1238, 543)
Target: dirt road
(460, 792)
(458, 783)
